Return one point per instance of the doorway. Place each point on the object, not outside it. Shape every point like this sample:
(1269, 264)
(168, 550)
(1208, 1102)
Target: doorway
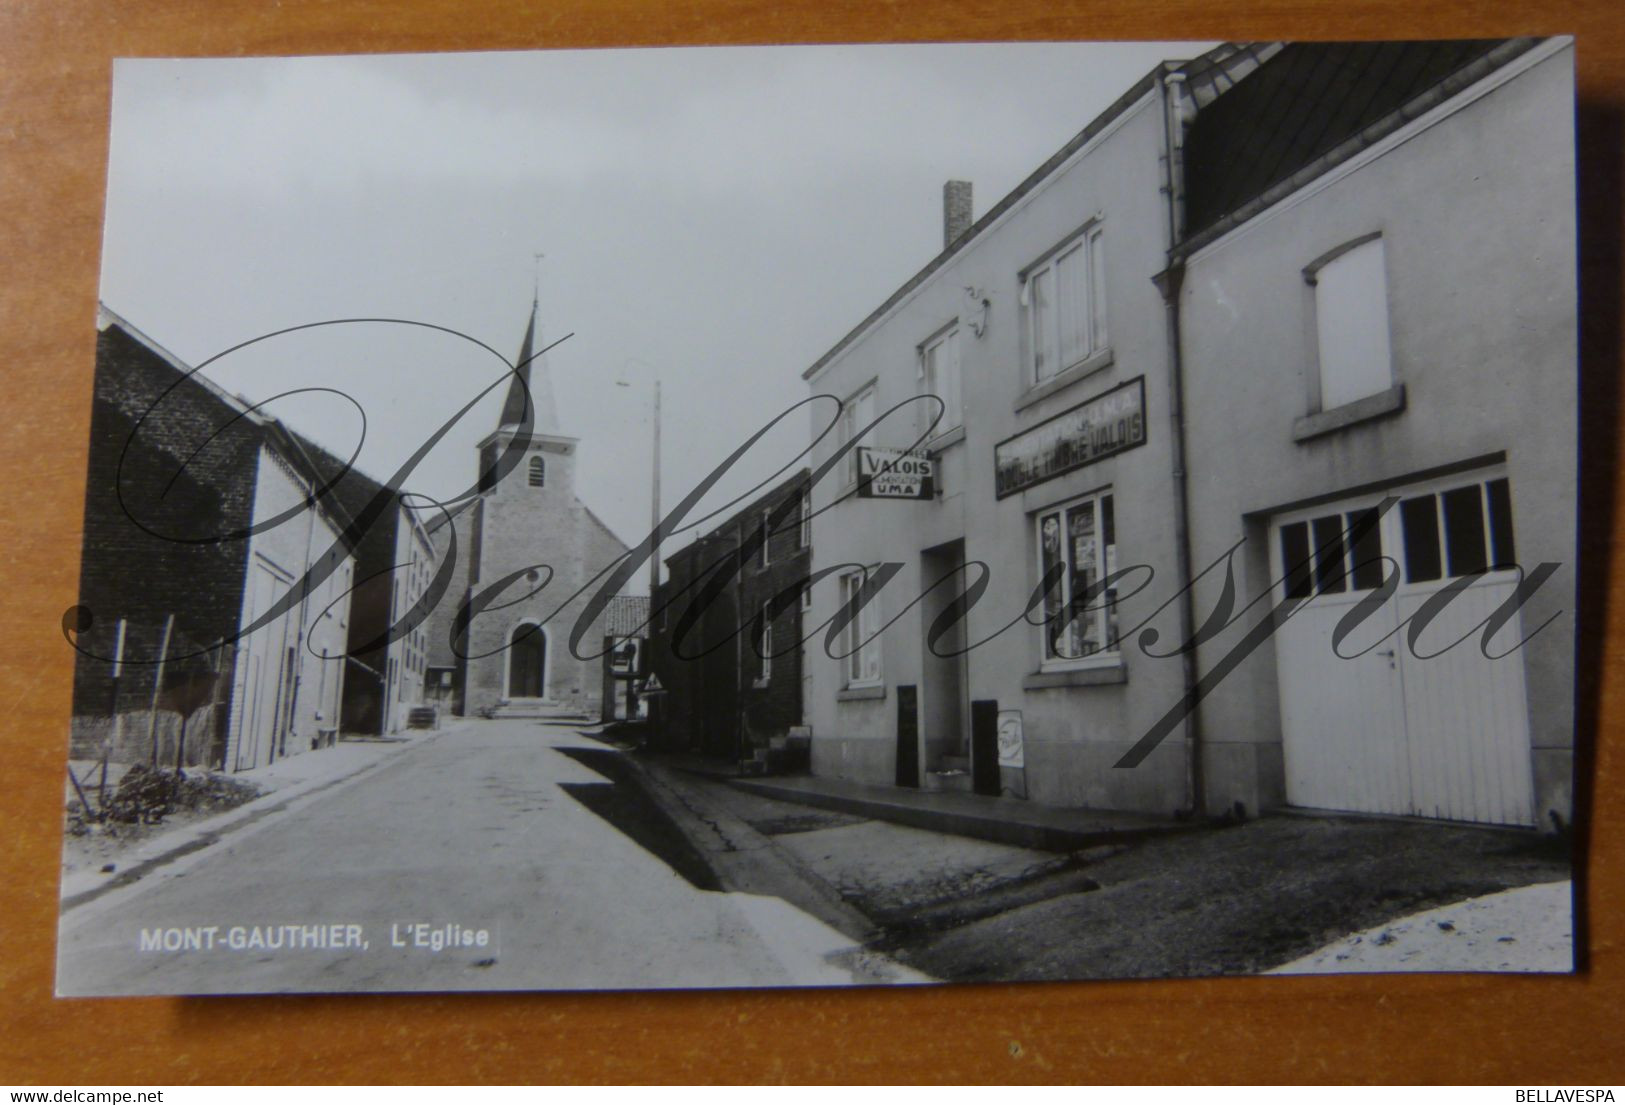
(1371, 724)
(944, 707)
(527, 661)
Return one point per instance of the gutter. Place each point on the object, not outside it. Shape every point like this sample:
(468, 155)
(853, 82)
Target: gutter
(1169, 283)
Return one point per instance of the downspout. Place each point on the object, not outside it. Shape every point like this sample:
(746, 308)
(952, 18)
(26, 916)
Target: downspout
(1170, 282)
(291, 722)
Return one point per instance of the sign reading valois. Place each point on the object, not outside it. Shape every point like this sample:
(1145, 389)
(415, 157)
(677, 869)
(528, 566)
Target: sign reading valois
(894, 474)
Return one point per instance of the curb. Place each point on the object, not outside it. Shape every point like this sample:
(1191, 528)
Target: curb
(745, 860)
(981, 825)
(189, 839)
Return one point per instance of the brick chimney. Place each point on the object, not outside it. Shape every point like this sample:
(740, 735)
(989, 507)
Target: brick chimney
(956, 211)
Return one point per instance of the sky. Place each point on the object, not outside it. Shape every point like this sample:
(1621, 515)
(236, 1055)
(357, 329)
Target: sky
(716, 218)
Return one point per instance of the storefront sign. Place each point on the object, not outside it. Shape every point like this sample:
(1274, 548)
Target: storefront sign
(894, 474)
(1012, 753)
(1090, 431)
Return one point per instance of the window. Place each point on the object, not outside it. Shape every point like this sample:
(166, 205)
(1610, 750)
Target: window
(1346, 554)
(538, 472)
(940, 376)
(806, 597)
(1351, 324)
(763, 555)
(1077, 550)
(805, 535)
(1065, 298)
(860, 643)
(1441, 535)
(1475, 535)
(858, 412)
(764, 646)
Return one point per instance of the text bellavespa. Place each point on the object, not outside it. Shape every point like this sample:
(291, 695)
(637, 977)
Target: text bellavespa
(413, 935)
(609, 581)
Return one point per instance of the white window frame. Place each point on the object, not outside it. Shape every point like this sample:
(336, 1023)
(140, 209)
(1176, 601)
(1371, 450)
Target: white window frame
(1088, 244)
(860, 639)
(1105, 562)
(1350, 285)
(764, 644)
(804, 532)
(953, 409)
(764, 555)
(851, 419)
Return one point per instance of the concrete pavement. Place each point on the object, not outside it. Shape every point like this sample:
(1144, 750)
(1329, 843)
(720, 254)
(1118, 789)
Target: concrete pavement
(466, 862)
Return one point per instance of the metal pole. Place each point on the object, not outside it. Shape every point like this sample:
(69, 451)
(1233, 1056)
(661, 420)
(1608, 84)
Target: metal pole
(654, 505)
(157, 683)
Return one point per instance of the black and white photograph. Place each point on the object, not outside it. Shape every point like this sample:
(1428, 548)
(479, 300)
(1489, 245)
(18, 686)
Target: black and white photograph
(822, 516)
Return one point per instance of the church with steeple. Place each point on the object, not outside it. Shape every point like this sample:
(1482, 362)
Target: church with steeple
(526, 550)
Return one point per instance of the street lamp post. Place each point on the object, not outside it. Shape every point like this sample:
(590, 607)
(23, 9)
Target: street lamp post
(654, 503)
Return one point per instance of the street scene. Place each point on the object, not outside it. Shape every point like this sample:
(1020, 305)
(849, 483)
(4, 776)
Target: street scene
(502, 834)
(1168, 571)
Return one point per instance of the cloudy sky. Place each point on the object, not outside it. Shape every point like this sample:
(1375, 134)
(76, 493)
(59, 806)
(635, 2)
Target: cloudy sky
(719, 217)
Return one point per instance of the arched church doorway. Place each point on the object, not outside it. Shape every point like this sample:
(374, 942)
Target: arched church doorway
(527, 661)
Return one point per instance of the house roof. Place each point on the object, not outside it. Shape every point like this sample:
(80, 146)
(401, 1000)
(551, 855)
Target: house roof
(1301, 104)
(1099, 123)
(626, 615)
(1206, 77)
(728, 530)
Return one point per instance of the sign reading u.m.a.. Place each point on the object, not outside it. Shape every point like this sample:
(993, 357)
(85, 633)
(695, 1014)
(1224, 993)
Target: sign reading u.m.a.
(894, 474)
(1093, 430)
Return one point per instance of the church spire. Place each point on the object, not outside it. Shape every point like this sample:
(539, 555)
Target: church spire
(534, 372)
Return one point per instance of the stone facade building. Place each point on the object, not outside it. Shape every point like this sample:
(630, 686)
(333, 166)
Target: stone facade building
(528, 553)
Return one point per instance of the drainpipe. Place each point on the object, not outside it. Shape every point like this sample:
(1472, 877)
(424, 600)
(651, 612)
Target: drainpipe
(1169, 283)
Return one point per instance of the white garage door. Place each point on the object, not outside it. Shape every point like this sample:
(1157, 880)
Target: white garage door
(1373, 721)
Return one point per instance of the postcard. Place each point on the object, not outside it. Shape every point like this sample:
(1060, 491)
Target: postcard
(828, 516)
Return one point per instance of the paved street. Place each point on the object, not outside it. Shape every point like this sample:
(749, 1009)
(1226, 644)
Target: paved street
(387, 883)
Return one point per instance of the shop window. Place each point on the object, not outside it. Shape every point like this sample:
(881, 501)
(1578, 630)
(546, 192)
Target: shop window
(1077, 551)
(939, 373)
(1065, 302)
(1351, 323)
(860, 641)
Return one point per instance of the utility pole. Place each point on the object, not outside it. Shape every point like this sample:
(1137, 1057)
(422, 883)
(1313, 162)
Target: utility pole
(654, 504)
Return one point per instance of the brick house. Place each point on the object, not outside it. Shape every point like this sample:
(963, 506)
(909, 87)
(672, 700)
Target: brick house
(728, 626)
(198, 526)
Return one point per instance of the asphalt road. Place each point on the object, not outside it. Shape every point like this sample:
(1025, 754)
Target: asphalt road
(386, 883)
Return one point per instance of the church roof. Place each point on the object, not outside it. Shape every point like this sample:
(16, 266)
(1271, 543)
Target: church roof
(533, 382)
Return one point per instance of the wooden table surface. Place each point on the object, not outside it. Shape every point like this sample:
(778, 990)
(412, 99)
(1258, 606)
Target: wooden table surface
(55, 68)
